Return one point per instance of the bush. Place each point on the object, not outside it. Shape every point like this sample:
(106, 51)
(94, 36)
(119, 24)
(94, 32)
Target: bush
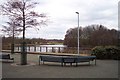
(106, 52)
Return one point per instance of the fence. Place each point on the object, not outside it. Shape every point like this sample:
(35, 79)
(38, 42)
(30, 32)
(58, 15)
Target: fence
(55, 49)
(31, 48)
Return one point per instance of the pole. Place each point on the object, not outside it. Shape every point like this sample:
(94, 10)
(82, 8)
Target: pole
(78, 31)
(12, 45)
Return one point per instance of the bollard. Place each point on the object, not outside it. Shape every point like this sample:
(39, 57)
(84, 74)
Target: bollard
(58, 49)
(29, 48)
(34, 48)
(18, 48)
(46, 49)
(40, 49)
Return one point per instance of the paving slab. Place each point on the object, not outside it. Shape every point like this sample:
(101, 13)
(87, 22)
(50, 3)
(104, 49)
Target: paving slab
(103, 69)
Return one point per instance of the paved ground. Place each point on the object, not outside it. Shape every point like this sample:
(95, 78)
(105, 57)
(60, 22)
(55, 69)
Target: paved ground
(103, 69)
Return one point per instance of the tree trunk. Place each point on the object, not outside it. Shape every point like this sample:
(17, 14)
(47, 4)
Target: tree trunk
(23, 46)
(12, 45)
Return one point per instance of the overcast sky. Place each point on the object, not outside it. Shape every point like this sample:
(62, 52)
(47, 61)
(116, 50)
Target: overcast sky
(62, 16)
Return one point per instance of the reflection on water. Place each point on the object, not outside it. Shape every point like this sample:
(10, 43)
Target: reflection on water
(43, 48)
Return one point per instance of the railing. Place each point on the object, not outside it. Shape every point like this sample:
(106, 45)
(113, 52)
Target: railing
(31, 48)
(42, 49)
(55, 49)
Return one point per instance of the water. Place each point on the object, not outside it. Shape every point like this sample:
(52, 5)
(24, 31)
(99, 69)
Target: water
(42, 48)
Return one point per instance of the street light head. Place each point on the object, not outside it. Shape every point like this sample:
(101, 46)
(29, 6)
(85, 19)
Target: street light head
(77, 12)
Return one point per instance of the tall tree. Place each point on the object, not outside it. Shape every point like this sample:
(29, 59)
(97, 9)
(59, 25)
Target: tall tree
(11, 29)
(92, 35)
(22, 11)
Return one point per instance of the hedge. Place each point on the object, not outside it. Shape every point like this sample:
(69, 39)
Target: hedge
(106, 52)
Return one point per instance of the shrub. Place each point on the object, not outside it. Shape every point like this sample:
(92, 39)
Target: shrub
(99, 52)
(106, 52)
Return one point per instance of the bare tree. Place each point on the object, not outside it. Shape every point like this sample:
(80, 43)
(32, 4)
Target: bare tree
(22, 11)
(12, 29)
(92, 35)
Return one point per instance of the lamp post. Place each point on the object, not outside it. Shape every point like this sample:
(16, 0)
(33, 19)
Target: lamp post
(13, 37)
(78, 31)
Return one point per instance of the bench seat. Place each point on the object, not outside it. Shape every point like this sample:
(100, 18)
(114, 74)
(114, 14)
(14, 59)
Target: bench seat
(66, 59)
(85, 59)
(49, 58)
(6, 57)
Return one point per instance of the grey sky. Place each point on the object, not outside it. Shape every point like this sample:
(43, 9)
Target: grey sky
(62, 16)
